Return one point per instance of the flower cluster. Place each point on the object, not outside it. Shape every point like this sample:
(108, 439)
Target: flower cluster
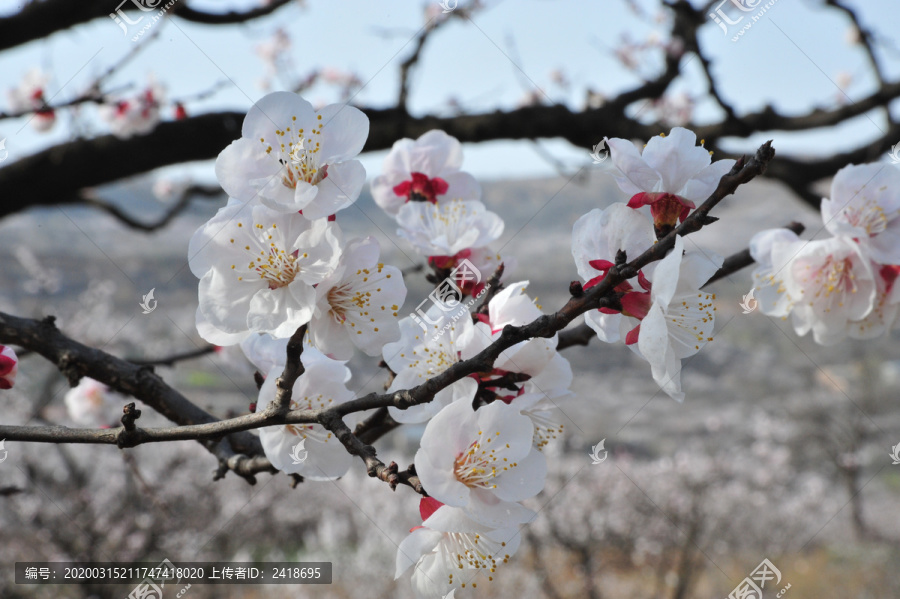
(437, 205)
(842, 286)
(274, 259)
(136, 115)
(482, 450)
(662, 315)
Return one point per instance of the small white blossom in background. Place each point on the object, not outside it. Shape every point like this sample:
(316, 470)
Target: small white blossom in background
(675, 109)
(257, 269)
(168, 190)
(274, 52)
(41, 278)
(423, 170)
(670, 175)
(9, 367)
(322, 385)
(93, 404)
(137, 115)
(451, 551)
(295, 158)
(346, 81)
(30, 97)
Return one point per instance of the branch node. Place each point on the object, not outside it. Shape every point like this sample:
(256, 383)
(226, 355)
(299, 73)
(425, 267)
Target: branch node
(68, 366)
(576, 289)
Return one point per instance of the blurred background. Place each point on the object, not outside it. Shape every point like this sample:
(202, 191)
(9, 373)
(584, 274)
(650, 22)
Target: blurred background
(781, 448)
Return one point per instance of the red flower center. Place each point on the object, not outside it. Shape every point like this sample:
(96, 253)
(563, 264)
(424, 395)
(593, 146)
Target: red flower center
(634, 303)
(666, 208)
(421, 189)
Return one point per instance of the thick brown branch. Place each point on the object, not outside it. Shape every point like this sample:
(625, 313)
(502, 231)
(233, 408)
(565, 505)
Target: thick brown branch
(39, 20)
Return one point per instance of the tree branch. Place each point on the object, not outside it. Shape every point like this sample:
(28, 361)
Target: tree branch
(39, 20)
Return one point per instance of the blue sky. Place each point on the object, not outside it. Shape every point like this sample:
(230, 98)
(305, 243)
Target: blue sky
(792, 58)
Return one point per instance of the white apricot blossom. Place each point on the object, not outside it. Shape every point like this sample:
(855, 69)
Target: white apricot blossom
(669, 318)
(512, 306)
(322, 385)
(768, 276)
(265, 352)
(258, 268)
(9, 367)
(885, 308)
(136, 115)
(600, 234)
(357, 304)
(544, 413)
(448, 227)
(865, 207)
(423, 352)
(825, 285)
(481, 460)
(294, 158)
(670, 175)
(423, 170)
(452, 551)
(30, 96)
(91, 403)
